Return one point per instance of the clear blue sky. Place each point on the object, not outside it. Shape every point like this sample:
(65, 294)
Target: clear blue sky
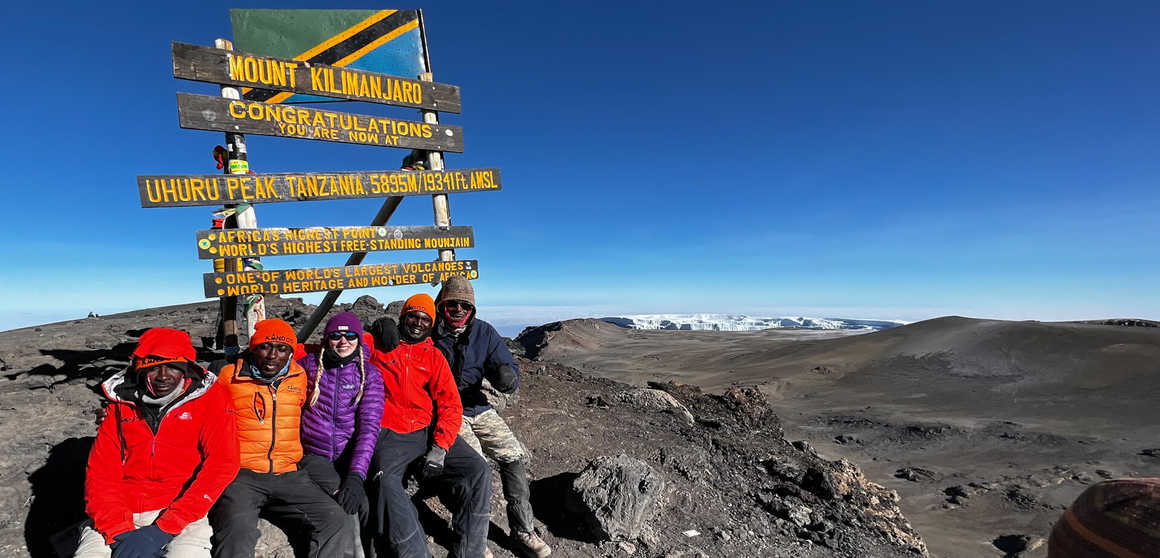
(845, 159)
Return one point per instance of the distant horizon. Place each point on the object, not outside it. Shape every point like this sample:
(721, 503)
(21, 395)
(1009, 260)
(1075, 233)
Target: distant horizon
(507, 319)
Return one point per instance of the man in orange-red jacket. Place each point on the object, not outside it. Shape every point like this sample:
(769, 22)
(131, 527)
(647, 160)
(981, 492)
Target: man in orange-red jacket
(421, 417)
(164, 452)
(268, 390)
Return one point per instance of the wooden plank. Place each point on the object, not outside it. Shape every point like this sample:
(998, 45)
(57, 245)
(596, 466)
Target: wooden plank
(253, 243)
(292, 281)
(201, 112)
(215, 65)
(180, 190)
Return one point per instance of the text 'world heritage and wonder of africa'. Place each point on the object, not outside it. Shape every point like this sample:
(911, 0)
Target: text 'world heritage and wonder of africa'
(290, 281)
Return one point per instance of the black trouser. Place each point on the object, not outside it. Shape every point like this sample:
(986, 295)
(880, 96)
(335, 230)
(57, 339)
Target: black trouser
(466, 491)
(326, 475)
(514, 478)
(291, 497)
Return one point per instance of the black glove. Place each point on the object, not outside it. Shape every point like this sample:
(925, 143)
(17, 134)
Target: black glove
(433, 462)
(351, 493)
(145, 542)
(386, 334)
(504, 379)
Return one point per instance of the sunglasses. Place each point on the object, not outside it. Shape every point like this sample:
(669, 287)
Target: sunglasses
(336, 335)
(453, 304)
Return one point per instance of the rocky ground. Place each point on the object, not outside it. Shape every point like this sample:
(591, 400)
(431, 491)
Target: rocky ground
(662, 470)
(986, 428)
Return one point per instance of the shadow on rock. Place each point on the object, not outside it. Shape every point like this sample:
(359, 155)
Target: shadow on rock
(95, 363)
(58, 495)
(550, 497)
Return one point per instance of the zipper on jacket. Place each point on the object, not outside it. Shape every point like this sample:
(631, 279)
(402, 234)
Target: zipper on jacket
(273, 423)
(334, 409)
(406, 376)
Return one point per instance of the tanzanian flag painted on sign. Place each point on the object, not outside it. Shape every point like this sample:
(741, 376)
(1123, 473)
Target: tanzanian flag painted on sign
(386, 41)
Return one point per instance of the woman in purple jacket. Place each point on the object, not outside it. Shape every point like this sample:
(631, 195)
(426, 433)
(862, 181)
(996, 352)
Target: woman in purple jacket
(344, 407)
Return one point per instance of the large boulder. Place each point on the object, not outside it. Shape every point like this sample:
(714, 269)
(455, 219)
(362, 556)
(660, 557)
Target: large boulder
(654, 400)
(616, 497)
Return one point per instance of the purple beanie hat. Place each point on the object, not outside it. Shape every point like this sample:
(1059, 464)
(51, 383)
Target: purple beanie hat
(345, 321)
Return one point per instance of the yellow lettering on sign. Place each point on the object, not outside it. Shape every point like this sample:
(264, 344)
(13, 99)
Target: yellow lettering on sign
(349, 82)
(453, 242)
(251, 69)
(236, 70)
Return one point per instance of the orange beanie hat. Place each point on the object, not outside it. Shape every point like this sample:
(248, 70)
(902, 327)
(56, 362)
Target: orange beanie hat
(273, 330)
(419, 303)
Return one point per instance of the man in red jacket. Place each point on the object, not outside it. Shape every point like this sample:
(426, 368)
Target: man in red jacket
(164, 452)
(421, 417)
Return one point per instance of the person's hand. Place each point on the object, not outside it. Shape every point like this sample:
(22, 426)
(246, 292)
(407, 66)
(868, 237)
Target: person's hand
(433, 462)
(144, 542)
(386, 333)
(504, 379)
(351, 493)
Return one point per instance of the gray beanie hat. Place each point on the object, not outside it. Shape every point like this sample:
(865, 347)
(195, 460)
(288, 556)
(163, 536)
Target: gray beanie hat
(457, 287)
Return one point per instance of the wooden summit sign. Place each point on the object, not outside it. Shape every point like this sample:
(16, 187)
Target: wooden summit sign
(202, 112)
(215, 65)
(216, 189)
(291, 281)
(251, 243)
(297, 56)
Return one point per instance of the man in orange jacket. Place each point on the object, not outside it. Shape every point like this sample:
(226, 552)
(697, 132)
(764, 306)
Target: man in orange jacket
(421, 417)
(164, 451)
(268, 390)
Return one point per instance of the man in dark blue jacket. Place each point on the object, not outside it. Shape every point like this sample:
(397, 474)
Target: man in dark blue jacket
(476, 351)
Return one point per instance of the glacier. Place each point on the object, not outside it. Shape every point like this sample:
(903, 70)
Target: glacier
(740, 322)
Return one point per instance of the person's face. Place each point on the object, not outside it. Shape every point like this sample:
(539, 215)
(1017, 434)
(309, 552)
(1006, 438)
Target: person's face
(163, 379)
(457, 310)
(271, 357)
(343, 343)
(416, 324)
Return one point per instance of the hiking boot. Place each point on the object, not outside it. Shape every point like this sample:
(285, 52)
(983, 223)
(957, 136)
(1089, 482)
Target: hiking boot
(533, 543)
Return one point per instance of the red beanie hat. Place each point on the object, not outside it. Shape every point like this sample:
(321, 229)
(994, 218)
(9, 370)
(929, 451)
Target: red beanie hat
(162, 345)
(273, 330)
(419, 303)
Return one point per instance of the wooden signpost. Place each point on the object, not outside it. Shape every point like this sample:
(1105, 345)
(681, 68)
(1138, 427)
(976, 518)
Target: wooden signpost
(293, 281)
(215, 65)
(202, 112)
(241, 243)
(215, 189)
(250, 243)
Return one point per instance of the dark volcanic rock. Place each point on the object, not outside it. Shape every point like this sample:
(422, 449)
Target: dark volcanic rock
(1015, 545)
(616, 497)
(367, 308)
(915, 474)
